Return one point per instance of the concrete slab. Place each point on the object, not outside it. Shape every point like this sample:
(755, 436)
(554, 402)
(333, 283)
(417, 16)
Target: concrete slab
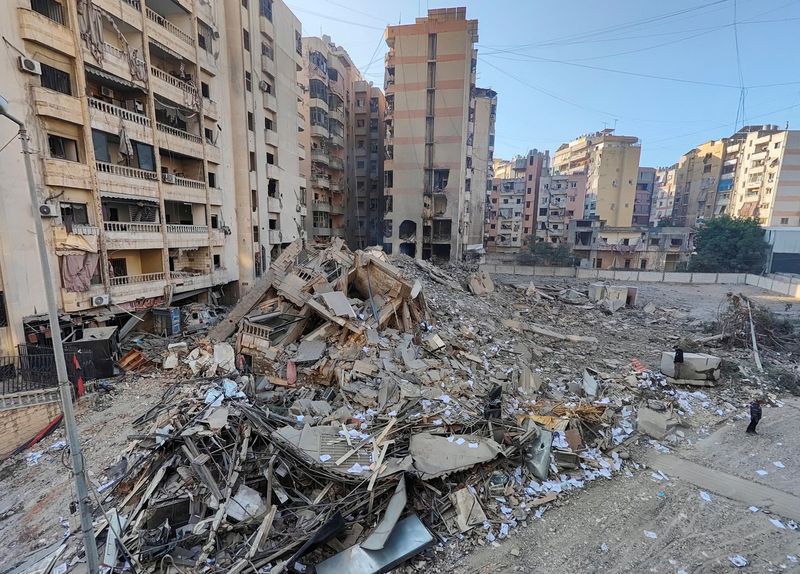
(704, 278)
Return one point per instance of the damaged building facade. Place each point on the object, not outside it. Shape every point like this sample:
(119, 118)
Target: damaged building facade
(127, 107)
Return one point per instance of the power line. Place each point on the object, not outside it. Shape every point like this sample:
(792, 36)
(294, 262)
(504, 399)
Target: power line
(342, 20)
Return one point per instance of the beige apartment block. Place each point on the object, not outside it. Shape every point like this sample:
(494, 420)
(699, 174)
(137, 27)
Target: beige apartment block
(611, 164)
(663, 194)
(561, 200)
(328, 106)
(126, 103)
(504, 227)
(482, 159)
(430, 78)
(368, 128)
(696, 182)
(766, 184)
(263, 41)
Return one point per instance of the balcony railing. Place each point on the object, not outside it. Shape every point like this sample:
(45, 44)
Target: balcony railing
(134, 279)
(179, 133)
(336, 163)
(112, 50)
(169, 26)
(132, 227)
(125, 171)
(50, 9)
(192, 183)
(81, 229)
(119, 112)
(175, 228)
(135, 3)
(172, 80)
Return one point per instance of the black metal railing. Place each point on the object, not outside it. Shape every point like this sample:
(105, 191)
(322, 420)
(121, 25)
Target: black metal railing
(50, 9)
(34, 369)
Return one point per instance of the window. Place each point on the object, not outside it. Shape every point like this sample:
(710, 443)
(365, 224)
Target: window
(63, 148)
(784, 221)
(252, 161)
(217, 261)
(212, 179)
(267, 49)
(626, 241)
(255, 234)
(3, 314)
(246, 39)
(431, 46)
(250, 124)
(248, 82)
(527, 204)
(627, 264)
(244, 3)
(270, 159)
(254, 199)
(298, 42)
(360, 164)
(205, 90)
(360, 123)
(542, 211)
(55, 79)
(214, 221)
(267, 124)
(527, 218)
(265, 9)
(505, 200)
(74, 214)
(208, 133)
(530, 177)
(598, 263)
(777, 145)
(492, 226)
(643, 264)
(707, 168)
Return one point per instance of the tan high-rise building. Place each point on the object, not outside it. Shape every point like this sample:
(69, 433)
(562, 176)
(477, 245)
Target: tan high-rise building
(329, 76)
(663, 194)
(696, 182)
(767, 177)
(430, 77)
(482, 159)
(368, 126)
(611, 164)
(264, 49)
(129, 111)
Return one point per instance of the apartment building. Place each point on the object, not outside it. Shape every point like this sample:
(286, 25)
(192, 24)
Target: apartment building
(645, 185)
(504, 228)
(696, 182)
(482, 154)
(601, 246)
(611, 164)
(766, 184)
(561, 200)
(328, 76)
(429, 80)
(663, 194)
(126, 108)
(366, 198)
(264, 57)
(504, 168)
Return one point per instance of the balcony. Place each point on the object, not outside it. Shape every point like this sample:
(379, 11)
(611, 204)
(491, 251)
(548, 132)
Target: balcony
(337, 164)
(273, 171)
(274, 205)
(187, 235)
(213, 153)
(271, 137)
(107, 117)
(320, 156)
(179, 141)
(184, 189)
(54, 104)
(319, 131)
(268, 65)
(337, 114)
(210, 109)
(170, 35)
(318, 103)
(762, 140)
(301, 151)
(47, 30)
(129, 287)
(187, 281)
(336, 186)
(337, 209)
(321, 206)
(64, 173)
(322, 231)
(270, 102)
(207, 61)
(320, 180)
(116, 62)
(759, 155)
(337, 140)
(275, 237)
(126, 180)
(121, 234)
(174, 88)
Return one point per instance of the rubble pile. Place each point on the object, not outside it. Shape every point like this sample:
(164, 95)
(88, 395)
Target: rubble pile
(346, 418)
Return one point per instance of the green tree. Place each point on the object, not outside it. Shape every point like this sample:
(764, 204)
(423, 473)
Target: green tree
(543, 253)
(729, 245)
(665, 222)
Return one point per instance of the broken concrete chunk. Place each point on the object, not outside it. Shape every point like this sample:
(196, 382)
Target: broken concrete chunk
(695, 366)
(338, 304)
(469, 512)
(529, 381)
(654, 423)
(590, 383)
(247, 504)
(480, 283)
(224, 357)
(170, 362)
(310, 351)
(437, 455)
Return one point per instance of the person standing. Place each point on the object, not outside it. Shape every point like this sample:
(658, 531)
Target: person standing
(755, 416)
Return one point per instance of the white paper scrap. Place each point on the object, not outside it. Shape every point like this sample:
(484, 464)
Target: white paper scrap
(761, 472)
(325, 457)
(705, 496)
(777, 523)
(650, 534)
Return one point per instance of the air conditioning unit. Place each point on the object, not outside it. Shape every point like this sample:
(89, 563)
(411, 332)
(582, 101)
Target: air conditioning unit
(168, 177)
(106, 92)
(49, 210)
(100, 300)
(263, 85)
(30, 66)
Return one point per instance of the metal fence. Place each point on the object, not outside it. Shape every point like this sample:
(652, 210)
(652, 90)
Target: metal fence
(34, 369)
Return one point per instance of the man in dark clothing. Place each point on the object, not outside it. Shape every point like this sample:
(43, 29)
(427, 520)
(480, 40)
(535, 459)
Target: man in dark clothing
(678, 361)
(755, 416)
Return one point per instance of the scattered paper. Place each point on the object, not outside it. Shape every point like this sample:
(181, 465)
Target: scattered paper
(754, 509)
(778, 464)
(705, 496)
(356, 469)
(325, 457)
(473, 445)
(777, 523)
(791, 558)
(738, 560)
(460, 441)
(650, 534)
(504, 530)
(761, 472)
(33, 458)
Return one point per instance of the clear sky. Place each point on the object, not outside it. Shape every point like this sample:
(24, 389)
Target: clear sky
(665, 71)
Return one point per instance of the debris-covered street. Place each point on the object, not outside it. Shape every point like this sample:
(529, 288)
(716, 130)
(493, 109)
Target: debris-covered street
(361, 413)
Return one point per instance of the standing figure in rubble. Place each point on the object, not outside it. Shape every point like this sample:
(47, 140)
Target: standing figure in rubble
(755, 416)
(678, 361)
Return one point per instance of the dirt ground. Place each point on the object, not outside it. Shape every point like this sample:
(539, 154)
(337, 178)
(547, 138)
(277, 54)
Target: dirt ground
(598, 529)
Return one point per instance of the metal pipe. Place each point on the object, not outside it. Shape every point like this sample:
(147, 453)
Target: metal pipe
(64, 386)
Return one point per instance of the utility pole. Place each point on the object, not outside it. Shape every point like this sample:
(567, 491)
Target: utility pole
(64, 386)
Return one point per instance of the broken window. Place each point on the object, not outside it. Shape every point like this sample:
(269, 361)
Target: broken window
(387, 228)
(63, 148)
(440, 178)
